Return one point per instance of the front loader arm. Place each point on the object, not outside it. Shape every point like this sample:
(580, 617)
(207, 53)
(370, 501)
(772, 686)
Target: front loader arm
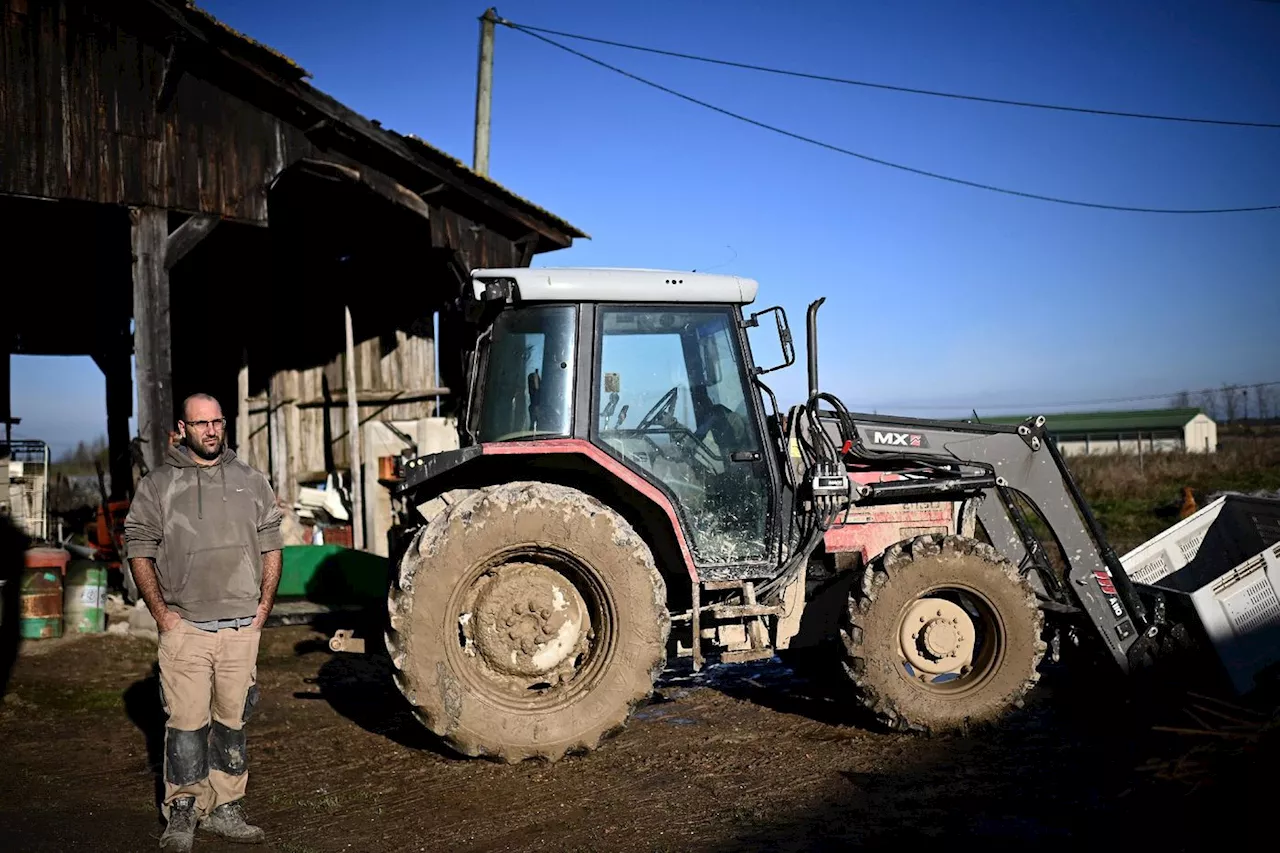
(995, 464)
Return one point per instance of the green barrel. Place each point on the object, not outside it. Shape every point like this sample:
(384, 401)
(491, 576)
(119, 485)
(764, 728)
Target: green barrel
(85, 598)
(41, 604)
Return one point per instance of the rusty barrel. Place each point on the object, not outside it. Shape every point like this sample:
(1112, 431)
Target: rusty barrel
(85, 598)
(40, 600)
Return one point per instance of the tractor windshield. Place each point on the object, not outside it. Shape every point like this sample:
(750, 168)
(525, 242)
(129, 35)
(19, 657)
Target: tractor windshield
(528, 374)
(672, 401)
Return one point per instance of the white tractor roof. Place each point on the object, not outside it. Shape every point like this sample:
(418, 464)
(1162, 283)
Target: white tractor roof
(593, 284)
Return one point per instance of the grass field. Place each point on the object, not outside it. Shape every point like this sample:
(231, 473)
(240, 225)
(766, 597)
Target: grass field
(1136, 499)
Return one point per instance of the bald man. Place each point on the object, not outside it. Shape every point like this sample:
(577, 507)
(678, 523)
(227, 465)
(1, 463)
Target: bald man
(203, 542)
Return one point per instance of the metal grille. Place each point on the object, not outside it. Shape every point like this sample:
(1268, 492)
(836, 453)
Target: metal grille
(1191, 545)
(1254, 607)
(1153, 570)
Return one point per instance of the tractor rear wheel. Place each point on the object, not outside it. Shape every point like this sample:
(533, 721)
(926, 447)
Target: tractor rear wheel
(941, 634)
(528, 621)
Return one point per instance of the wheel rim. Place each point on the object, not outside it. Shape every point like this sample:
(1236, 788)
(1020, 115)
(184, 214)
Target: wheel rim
(534, 629)
(951, 641)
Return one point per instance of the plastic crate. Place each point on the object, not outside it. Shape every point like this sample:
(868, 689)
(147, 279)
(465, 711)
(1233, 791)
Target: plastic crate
(1223, 564)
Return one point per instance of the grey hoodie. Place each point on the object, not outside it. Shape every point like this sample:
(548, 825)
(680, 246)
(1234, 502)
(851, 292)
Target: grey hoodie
(206, 528)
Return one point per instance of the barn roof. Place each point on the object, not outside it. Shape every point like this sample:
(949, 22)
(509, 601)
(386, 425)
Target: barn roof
(290, 76)
(1145, 420)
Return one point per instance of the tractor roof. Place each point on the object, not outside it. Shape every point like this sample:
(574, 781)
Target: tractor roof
(594, 284)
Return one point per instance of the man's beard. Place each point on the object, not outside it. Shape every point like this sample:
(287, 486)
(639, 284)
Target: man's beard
(197, 447)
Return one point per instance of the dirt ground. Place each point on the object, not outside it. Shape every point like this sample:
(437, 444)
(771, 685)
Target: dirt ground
(744, 758)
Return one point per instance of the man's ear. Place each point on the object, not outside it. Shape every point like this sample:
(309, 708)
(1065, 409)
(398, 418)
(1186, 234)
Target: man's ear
(182, 429)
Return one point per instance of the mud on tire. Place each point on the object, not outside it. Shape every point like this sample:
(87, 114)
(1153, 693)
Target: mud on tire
(1005, 616)
(528, 621)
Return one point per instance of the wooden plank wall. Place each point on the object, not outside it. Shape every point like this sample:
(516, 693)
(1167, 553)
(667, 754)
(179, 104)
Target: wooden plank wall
(314, 437)
(80, 118)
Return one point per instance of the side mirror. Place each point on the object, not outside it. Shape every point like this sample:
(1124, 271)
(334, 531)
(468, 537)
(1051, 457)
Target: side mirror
(784, 337)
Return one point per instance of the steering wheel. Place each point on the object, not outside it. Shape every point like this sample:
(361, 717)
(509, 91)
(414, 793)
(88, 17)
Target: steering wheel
(662, 410)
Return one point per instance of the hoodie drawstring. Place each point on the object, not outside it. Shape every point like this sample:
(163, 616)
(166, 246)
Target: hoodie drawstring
(223, 469)
(199, 496)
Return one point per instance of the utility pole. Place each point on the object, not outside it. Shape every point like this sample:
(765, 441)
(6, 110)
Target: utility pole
(484, 92)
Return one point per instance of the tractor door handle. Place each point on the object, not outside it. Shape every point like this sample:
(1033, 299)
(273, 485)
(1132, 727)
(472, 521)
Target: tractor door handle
(745, 456)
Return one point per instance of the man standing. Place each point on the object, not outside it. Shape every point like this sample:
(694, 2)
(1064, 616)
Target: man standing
(204, 546)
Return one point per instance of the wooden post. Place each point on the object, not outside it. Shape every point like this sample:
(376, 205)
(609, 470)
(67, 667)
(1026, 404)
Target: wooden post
(5, 405)
(242, 406)
(484, 92)
(119, 384)
(353, 441)
(276, 447)
(152, 341)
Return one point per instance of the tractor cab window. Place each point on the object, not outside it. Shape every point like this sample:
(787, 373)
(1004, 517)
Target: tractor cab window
(672, 402)
(528, 374)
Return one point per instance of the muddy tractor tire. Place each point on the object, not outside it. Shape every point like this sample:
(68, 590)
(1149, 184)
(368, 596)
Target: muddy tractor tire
(528, 621)
(941, 634)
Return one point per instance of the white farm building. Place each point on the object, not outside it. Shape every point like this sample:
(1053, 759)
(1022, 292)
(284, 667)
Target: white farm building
(1148, 431)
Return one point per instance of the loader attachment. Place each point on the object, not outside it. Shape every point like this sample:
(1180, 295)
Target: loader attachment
(1000, 471)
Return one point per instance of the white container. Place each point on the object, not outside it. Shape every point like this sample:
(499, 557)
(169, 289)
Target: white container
(1223, 563)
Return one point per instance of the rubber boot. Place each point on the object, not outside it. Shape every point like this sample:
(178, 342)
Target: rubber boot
(180, 832)
(227, 821)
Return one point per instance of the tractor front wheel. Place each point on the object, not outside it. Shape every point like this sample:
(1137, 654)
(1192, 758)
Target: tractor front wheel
(527, 622)
(941, 634)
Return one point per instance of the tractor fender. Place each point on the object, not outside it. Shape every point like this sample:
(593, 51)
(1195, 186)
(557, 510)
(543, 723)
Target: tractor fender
(429, 480)
(609, 467)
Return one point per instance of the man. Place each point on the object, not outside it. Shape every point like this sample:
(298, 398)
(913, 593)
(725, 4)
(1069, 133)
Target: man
(13, 545)
(204, 546)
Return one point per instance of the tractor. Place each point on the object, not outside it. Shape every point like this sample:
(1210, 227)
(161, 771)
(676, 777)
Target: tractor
(627, 491)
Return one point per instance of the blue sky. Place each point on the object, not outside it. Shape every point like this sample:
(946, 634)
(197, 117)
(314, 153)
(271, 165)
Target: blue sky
(940, 298)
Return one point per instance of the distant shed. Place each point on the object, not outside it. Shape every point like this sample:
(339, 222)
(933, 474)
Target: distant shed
(1151, 430)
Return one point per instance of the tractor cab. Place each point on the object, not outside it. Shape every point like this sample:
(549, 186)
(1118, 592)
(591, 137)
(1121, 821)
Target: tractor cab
(651, 367)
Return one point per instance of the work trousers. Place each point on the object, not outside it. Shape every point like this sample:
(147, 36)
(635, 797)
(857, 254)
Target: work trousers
(208, 687)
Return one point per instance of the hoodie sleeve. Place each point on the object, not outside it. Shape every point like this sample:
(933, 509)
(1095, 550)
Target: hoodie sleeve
(269, 537)
(144, 525)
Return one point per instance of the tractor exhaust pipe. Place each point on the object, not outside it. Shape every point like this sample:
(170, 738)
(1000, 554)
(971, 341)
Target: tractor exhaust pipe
(812, 328)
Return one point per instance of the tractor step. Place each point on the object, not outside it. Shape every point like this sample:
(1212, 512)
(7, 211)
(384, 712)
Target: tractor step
(745, 638)
(746, 655)
(718, 586)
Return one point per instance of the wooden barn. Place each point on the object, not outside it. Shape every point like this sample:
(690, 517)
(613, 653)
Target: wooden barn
(176, 194)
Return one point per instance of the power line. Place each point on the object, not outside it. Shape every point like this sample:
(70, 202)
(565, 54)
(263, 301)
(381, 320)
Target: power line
(1030, 406)
(892, 88)
(878, 161)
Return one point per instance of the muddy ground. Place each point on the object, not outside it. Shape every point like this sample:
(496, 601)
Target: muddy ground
(748, 758)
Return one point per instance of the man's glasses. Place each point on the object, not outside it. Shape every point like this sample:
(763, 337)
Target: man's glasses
(205, 426)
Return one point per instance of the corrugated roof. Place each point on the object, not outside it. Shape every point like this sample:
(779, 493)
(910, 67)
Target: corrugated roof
(277, 63)
(1108, 422)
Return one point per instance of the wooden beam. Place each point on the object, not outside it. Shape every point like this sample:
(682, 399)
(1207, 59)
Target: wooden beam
(242, 406)
(186, 237)
(119, 383)
(152, 341)
(170, 75)
(353, 439)
(340, 398)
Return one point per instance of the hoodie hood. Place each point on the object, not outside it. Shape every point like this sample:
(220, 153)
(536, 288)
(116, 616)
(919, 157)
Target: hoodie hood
(179, 457)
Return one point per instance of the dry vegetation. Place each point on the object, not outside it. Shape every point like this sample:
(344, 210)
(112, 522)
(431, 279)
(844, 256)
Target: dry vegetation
(1136, 499)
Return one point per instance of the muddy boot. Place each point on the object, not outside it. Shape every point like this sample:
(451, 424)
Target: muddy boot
(227, 821)
(181, 830)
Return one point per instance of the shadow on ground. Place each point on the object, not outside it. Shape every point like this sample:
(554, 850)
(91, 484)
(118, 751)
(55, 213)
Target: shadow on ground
(360, 688)
(142, 706)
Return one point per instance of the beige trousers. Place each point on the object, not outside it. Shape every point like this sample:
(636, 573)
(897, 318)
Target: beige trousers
(208, 686)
